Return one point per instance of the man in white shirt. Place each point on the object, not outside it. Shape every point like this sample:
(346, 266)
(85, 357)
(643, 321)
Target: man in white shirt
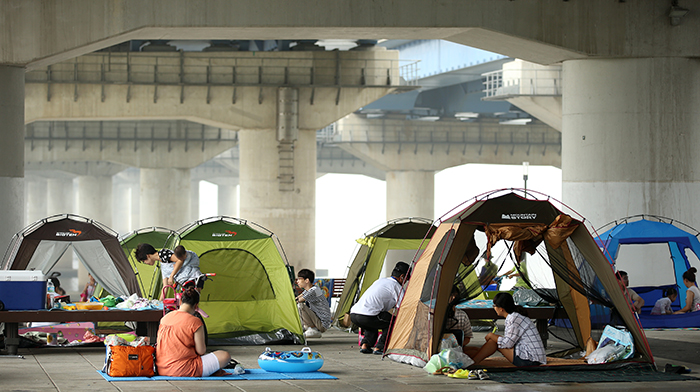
(371, 312)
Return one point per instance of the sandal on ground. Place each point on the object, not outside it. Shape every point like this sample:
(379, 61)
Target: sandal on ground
(460, 373)
(366, 350)
(482, 374)
(445, 370)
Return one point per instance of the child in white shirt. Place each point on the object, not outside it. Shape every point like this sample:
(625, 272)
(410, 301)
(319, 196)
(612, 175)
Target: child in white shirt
(663, 305)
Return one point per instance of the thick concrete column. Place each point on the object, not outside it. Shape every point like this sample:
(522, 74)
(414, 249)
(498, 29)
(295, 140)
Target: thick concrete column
(11, 153)
(59, 200)
(122, 208)
(94, 199)
(410, 194)
(35, 194)
(59, 193)
(631, 136)
(194, 202)
(289, 214)
(165, 198)
(228, 200)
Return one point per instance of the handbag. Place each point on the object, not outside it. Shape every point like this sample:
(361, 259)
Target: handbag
(128, 361)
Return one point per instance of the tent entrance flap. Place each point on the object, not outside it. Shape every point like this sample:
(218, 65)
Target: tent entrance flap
(240, 276)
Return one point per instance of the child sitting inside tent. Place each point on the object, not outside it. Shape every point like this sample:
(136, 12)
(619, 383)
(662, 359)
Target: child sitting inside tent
(457, 320)
(663, 305)
(520, 344)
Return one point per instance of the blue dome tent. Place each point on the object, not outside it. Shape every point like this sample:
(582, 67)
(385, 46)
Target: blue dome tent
(655, 251)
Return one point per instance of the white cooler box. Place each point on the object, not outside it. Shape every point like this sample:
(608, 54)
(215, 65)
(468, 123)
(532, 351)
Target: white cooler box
(23, 290)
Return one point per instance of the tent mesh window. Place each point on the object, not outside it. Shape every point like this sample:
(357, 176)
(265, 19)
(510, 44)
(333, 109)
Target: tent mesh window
(240, 276)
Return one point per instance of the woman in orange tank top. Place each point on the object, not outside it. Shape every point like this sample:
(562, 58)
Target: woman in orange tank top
(181, 350)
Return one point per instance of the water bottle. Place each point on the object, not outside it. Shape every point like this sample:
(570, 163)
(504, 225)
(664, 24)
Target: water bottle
(49, 287)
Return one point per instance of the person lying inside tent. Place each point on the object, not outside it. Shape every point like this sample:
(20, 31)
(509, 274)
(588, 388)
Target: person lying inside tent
(371, 312)
(520, 344)
(457, 322)
(173, 266)
(692, 295)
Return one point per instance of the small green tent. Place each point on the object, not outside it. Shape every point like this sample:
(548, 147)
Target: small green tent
(398, 239)
(251, 299)
(148, 276)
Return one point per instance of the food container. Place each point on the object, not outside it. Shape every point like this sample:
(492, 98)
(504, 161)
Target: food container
(89, 305)
(290, 361)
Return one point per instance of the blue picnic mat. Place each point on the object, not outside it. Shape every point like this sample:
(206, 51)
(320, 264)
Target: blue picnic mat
(250, 374)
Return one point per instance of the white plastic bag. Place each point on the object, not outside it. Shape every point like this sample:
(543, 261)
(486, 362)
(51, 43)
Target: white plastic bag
(436, 362)
(456, 358)
(610, 353)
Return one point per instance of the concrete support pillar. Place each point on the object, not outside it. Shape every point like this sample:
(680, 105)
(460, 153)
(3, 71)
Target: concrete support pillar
(289, 214)
(228, 200)
(59, 200)
(94, 202)
(35, 191)
(59, 196)
(135, 203)
(122, 208)
(631, 136)
(194, 200)
(410, 194)
(165, 198)
(11, 153)
(94, 199)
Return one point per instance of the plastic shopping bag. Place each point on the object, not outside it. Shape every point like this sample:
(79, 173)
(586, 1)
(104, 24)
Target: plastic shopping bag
(456, 358)
(434, 364)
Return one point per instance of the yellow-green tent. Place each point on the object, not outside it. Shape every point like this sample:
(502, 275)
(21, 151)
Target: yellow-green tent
(398, 239)
(251, 299)
(148, 276)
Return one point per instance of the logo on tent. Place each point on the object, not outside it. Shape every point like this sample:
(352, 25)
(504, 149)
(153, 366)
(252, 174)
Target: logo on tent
(529, 216)
(227, 233)
(69, 233)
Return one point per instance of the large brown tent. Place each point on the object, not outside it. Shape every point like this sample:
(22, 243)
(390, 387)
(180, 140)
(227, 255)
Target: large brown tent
(529, 223)
(41, 245)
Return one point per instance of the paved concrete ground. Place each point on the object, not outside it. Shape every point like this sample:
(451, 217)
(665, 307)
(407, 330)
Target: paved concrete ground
(74, 369)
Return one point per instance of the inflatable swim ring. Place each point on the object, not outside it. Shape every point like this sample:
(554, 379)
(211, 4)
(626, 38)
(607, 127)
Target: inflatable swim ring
(290, 361)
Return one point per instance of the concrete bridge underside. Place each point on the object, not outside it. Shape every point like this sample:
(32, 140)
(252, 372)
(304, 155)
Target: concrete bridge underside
(629, 111)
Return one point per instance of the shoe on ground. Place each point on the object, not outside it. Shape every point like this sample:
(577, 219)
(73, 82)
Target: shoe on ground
(312, 333)
(459, 373)
(231, 364)
(378, 352)
(473, 375)
(481, 373)
(366, 350)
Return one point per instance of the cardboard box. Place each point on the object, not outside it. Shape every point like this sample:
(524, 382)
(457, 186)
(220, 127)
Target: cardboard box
(22, 290)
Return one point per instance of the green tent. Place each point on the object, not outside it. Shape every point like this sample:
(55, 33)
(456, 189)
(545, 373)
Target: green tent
(398, 239)
(148, 276)
(251, 299)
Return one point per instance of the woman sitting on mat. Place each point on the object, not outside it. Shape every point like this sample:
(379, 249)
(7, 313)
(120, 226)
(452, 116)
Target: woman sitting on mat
(181, 350)
(692, 295)
(521, 343)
